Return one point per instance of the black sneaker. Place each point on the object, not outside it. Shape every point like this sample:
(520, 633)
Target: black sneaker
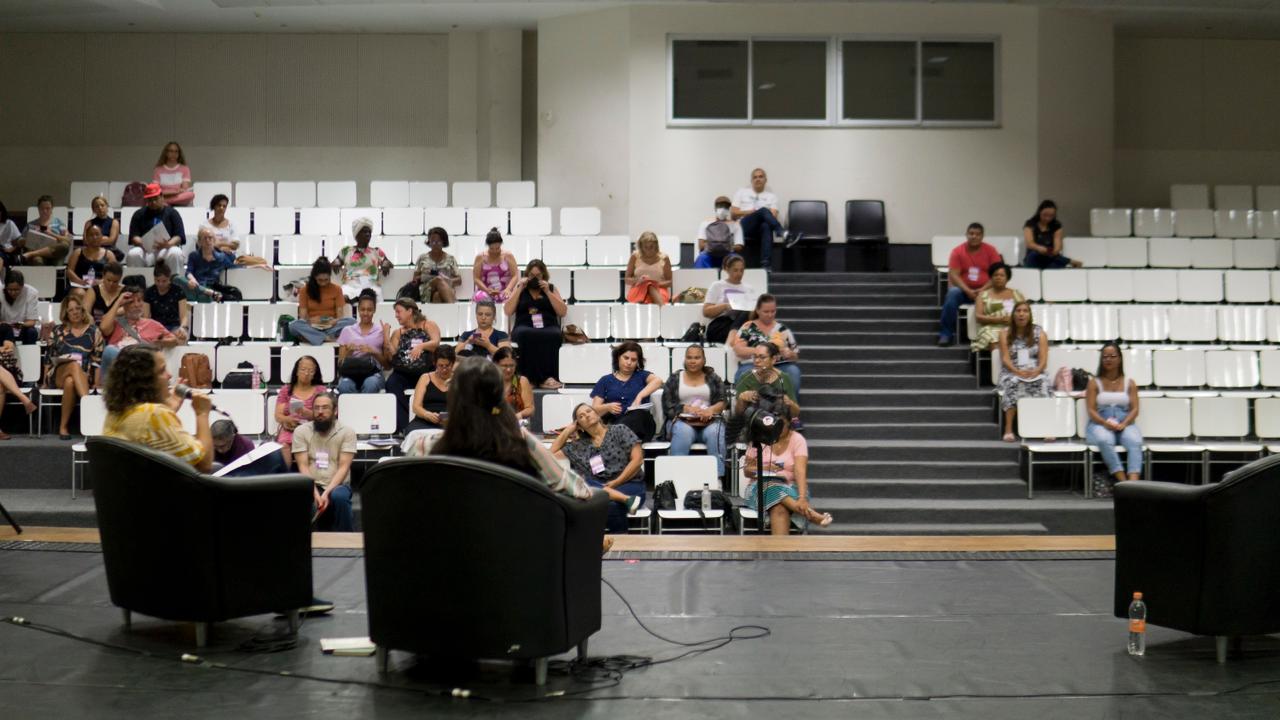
(791, 239)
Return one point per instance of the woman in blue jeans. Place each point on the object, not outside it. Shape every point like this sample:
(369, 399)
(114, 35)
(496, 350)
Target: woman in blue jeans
(1112, 402)
(692, 401)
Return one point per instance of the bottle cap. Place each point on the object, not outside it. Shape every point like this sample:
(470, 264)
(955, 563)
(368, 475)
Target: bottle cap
(1137, 596)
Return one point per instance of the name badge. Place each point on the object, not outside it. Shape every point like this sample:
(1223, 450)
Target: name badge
(537, 320)
(597, 465)
(467, 347)
(77, 357)
(414, 343)
(973, 274)
(322, 460)
(1024, 357)
(1008, 306)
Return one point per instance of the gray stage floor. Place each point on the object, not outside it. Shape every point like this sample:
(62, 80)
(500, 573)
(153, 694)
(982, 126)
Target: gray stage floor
(881, 639)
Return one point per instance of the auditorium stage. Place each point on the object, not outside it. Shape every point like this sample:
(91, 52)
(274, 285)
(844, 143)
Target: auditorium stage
(860, 633)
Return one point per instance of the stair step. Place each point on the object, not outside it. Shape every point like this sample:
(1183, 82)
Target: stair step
(864, 312)
(891, 367)
(865, 338)
(836, 298)
(814, 416)
(843, 397)
(788, 278)
(821, 470)
(971, 489)
(1055, 509)
(900, 431)
(843, 528)
(926, 326)
(824, 349)
(912, 383)
(916, 450)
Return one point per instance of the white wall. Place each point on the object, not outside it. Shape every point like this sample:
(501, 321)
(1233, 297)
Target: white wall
(1194, 111)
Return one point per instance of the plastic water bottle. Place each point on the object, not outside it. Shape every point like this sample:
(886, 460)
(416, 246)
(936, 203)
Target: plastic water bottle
(255, 378)
(1137, 626)
(706, 497)
(90, 277)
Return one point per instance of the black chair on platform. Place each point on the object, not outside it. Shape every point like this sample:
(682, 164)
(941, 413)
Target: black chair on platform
(183, 546)
(466, 559)
(808, 217)
(1204, 556)
(864, 227)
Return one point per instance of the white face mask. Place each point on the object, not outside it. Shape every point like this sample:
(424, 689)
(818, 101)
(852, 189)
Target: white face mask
(722, 213)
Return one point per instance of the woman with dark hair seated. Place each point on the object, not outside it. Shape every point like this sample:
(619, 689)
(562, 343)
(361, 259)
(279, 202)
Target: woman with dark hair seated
(519, 389)
(485, 339)
(322, 311)
(141, 409)
(693, 400)
(536, 308)
(994, 306)
(620, 396)
(786, 480)
(431, 394)
(1042, 236)
(609, 457)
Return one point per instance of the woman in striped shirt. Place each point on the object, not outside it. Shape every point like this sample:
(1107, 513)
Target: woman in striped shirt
(142, 409)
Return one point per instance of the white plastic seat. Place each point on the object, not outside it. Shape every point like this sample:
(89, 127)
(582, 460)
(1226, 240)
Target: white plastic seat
(346, 216)
(594, 319)
(1242, 324)
(1258, 254)
(1027, 282)
(1233, 223)
(517, 194)
(389, 193)
(1166, 418)
(1275, 287)
(1111, 222)
(43, 278)
(192, 219)
(1178, 368)
(1266, 418)
(1137, 365)
(564, 251)
(1155, 285)
(1189, 197)
(1144, 323)
(83, 192)
(1225, 416)
(557, 410)
(299, 249)
(1054, 319)
(1266, 223)
(402, 221)
(336, 194)
(254, 283)
(531, 221)
(399, 249)
(1110, 285)
(115, 193)
(1273, 324)
(1064, 285)
(286, 275)
(325, 356)
(296, 193)
(635, 322)
(1153, 222)
(579, 221)
(274, 221)
(1169, 252)
(1211, 253)
(1093, 323)
(428, 194)
(247, 409)
(1126, 252)
(1092, 251)
(472, 194)
(368, 414)
(1055, 417)
(1269, 367)
(1061, 356)
(757, 278)
(598, 284)
(669, 245)
(1200, 286)
(452, 219)
(204, 192)
(480, 220)
(684, 278)
(230, 356)
(674, 319)
(1248, 286)
(1231, 369)
(217, 320)
(1233, 197)
(255, 194)
(608, 250)
(689, 473)
(448, 316)
(1267, 197)
(1193, 223)
(584, 364)
(941, 248)
(562, 280)
(1193, 323)
(657, 360)
(320, 221)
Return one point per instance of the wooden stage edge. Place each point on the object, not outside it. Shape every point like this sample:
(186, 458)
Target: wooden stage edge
(717, 543)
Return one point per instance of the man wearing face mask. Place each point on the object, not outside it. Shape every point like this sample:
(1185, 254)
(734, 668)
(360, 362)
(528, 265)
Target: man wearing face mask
(718, 236)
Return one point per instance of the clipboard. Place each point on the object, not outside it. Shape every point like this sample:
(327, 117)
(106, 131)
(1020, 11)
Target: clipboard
(157, 232)
(35, 240)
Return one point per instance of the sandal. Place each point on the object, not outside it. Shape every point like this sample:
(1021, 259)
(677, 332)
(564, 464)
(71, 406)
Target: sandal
(823, 519)
(1010, 437)
(551, 384)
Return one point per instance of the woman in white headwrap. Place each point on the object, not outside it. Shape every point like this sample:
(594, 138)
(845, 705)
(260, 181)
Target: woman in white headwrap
(360, 266)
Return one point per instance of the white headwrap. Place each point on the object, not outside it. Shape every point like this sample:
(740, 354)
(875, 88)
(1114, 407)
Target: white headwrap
(359, 224)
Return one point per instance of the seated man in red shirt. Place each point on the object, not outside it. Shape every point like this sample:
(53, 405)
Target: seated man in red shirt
(967, 276)
(125, 325)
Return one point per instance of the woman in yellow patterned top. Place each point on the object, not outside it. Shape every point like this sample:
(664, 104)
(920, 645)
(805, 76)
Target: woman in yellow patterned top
(142, 409)
(994, 307)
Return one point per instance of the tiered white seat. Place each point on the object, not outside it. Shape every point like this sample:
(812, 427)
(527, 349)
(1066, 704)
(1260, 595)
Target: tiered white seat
(635, 322)
(1155, 285)
(670, 246)
(516, 194)
(1189, 197)
(579, 221)
(1233, 197)
(1144, 323)
(1166, 418)
(1137, 365)
(264, 321)
(1233, 223)
(1266, 421)
(584, 364)
(1211, 253)
(1153, 222)
(1266, 224)
(428, 194)
(43, 278)
(530, 221)
(403, 221)
(274, 221)
(452, 219)
(1197, 286)
(1190, 223)
(1064, 285)
(472, 194)
(1169, 252)
(1178, 368)
(448, 316)
(657, 360)
(1055, 319)
(689, 473)
(300, 249)
(557, 409)
(1111, 222)
(1193, 323)
(1242, 324)
(1126, 252)
(1110, 285)
(675, 319)
(296, 194)
(562, 279)
(1231, 369)
(598, 284)
(254, 194)
(192, 219)
(368, 414)
(1259, 254)
(564, 250)
(1269, 367)
(320, 221)
(1054, 417)
(1093, 322)
(1273, 324)
(389, 193)
(115, 192)
(594, 319)
(83, 192)
(400, 250)
(480, 220)
(1061, 356)
(1092, 251)
(240, 217)
(1225, 417)
(1275, 287)
(230, 356)
(204, 192)
(1267, 197)
(336, 194)
(247, 409)
(523, 247)
(217, 320)
(1027, 282)
(608, 250)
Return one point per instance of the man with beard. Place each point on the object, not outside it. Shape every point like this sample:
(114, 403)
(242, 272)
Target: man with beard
(124, 325)
(323, 450)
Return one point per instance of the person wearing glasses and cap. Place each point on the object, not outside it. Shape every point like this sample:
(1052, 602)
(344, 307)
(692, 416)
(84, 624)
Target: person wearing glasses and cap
(167, 250)
(360, 267)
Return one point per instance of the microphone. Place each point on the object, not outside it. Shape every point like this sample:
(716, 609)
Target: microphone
(187, 393)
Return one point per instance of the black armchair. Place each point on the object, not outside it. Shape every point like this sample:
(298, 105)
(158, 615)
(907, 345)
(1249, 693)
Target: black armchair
(809, 217)
(864, 226)
(468, 559)
(179, 545)
(1203, 556)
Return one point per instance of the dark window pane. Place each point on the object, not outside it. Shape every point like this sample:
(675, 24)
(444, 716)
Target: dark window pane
(710, 79)
(879, 80)
(959, 81)
(790, 79)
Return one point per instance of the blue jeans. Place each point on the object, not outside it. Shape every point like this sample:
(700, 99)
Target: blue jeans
(370, 385)
(303, 330)
(951, 312)
(25, 335)
(109, 354)
(338, 516)
(1106, 439)
(684, 435)
(761, 226)
(791, 369)
(617, 520)
(1041, 261)
(704, 260)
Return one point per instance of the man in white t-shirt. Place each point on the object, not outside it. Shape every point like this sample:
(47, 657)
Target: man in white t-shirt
(756, 210)
(722, 240)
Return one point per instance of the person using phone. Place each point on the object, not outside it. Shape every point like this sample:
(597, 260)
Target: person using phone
(435, 274)
(295, 401)
(536, 308)
(322, 311)
(431, 394)
(485, 340)
(126, 324)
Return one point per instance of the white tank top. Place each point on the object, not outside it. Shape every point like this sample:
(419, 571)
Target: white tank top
(1120, 399)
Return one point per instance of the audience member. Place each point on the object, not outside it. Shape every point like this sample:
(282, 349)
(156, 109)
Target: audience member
(9, 382)
(362, 349)
(692, 401)
(494, 270)
(141, 409)
(206, 263)
(435, 275)
(56, 252)
(107, 225)
(73, 353)
(756, 210)
(721, 296)
(1024, 352)
(967, 276)
(786, 481)
(623, 395)
(648, 275)
(324, 449)
(410, 347)
(431, 394)
(537, 308)
(765, 372)
(761, 328)
(166, 304)
(225, 236)
(519, 391)
(87, 264)
(485, 339)
(1042, 234)
(229, 445)
(104, 296)
(125, 324)
(173, 176)
(360, 267)
(295, 401)
(9, 236)
(167, 250)
(993, 307)
(19, 310)
(1112, 402)
(322, 311)
(609, 458)
(718, 236)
